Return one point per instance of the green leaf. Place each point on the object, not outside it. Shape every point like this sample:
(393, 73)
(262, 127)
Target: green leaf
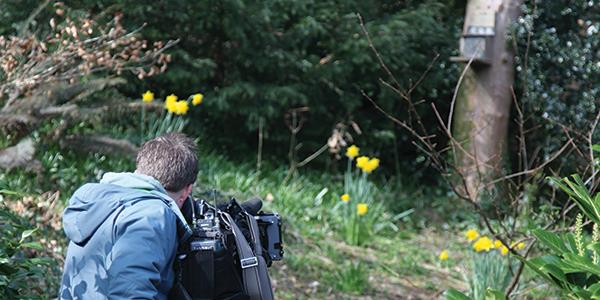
(537, 263)
(570, 242)
(583, 264)
(595, 290)
(26, 234)
(577, 191)
(8, 192)
(551, 240)
(555, 271)
(452, 294)
(491, 294)
(583, 199)
(581, 293)
(33, 245)
(596, 148)
(594, 247)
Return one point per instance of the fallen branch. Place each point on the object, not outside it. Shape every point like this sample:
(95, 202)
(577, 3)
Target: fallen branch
(19, 155)
(99, 144)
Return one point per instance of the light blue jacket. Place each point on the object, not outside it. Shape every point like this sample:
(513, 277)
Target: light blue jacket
(124, 233)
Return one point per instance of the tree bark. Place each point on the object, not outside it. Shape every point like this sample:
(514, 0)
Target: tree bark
(483, 106)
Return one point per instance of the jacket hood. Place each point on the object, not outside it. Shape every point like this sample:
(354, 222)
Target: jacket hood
(134, 181)
(93, 203)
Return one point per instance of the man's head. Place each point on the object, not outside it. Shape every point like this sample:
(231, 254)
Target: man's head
(171, 159)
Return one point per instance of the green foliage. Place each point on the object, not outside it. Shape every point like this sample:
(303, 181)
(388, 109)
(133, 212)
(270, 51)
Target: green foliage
(159, 124)
(490, 272)
(452, 294)
(577, 191)
(352, 277)
(362, 194)
(558, 71)
(486, 268)
(358, 227)
(570, 263)
(490, 294)
(22, 273)
(257, 60)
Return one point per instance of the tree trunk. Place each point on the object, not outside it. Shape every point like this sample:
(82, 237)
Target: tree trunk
(484, 100)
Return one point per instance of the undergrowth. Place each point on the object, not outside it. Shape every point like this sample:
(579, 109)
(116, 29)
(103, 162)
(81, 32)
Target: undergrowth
(317, 262)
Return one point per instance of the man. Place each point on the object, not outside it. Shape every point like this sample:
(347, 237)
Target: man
(124, 231)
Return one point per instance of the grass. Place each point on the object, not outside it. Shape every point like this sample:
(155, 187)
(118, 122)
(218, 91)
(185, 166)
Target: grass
(318, 261)
(318, 264)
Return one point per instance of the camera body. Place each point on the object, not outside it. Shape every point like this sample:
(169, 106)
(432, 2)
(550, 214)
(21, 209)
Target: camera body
(207, 233)
(269, 225)
(211, 263)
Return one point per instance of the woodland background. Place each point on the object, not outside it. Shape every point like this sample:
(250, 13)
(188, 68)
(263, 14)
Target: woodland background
(287, 87)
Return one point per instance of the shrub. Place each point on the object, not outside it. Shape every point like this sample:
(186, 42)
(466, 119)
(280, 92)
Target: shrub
(570, 261)
(23, 274)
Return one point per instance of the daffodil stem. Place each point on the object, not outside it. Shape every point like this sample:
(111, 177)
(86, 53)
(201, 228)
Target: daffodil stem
(347, 176)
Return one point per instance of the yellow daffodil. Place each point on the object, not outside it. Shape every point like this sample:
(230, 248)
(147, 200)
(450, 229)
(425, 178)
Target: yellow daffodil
(362, 208)
(361, 161)
(520, 246)
(371, 165)
(171, 106)
(181, 107)
(352, 152)
(483, 244)
(471, 234)
(498, 244)
(197, 99)
(444, 255)
(170, 100)
(148, 96)
(504, 250)
(345, 197)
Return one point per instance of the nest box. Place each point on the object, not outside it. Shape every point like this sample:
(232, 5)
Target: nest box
(477, 39)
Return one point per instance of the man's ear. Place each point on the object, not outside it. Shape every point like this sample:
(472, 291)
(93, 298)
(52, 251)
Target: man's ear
(183, 195)
(188, 191)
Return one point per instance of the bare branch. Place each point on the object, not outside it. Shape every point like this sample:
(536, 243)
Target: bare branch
(454, 96)
(536, 169)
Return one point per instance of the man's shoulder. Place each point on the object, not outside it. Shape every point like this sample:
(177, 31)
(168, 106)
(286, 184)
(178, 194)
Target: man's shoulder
(101, 190)
(108, 190)
(145, 202)
(148, 206)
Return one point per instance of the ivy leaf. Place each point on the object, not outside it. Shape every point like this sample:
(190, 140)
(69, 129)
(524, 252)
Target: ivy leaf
(26, 234)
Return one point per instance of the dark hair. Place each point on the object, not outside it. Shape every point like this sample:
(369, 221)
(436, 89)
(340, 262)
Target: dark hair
(171, 159)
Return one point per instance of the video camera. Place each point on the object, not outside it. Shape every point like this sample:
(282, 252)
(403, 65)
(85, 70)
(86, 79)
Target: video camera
(228, 240)
(208, 234)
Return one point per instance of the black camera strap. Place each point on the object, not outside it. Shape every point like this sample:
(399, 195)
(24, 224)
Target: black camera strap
(257, 284)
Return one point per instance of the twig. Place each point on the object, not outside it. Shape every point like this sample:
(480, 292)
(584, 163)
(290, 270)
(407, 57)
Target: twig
(312, 156)
(424, 74)
(455, 95)
(534, 170)
(591, 149)
(379, 58)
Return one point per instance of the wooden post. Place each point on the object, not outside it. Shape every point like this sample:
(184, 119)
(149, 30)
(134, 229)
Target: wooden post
(484, 97)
